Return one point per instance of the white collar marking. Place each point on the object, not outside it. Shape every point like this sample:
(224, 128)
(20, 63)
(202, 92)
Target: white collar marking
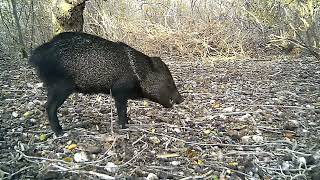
(132, 62)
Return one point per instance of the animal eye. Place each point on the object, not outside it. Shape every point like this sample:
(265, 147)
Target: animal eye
(179, 85)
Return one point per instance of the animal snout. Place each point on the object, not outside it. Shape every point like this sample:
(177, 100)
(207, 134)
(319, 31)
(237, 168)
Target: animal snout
(179, 99)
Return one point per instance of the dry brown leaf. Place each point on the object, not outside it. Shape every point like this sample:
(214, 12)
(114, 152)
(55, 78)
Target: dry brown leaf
(289, 135)
(191, 153)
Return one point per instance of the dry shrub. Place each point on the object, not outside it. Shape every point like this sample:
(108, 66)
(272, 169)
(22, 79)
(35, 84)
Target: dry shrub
(164, 32)
(207, 30)
(190, 29)
(293, 24)
(193, 40)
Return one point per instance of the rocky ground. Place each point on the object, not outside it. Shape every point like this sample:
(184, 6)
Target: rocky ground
(245, 119)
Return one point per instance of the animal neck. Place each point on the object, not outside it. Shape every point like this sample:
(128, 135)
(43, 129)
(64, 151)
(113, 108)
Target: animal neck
(132, 62)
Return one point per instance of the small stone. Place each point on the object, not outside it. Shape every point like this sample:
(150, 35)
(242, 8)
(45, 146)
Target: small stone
(32, 122)
(152, 176)
(29, 85)
(15, 114)
(154, 140)
(30, 105)
(39, 85)
(111, 153)
(222, 116)
(19, 129)
(234, 135)
(37, 102)
(207, 131)
(245, 117)
(312, 123)
(257, 138)
(309, 106)
(80, 157)
(93, 149)
(177, 130)
(291, 125)
(285, 166)
(245, 139)
(175, 163)
(111, 167)
(228, 109)
(302, 160)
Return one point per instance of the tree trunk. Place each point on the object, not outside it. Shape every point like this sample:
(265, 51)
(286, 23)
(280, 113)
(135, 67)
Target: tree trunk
(67, 15)
(19, 30)
(33, 17)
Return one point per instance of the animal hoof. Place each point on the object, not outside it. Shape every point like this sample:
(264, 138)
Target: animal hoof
(58, 132)
(124, 126)
(127, 120)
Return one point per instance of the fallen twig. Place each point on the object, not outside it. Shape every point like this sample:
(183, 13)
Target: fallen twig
(213, 144)
(39, 158)
(126, 163)
(22, 169)
(77, 171)
(295, 152)
(199, 177)
(282, 106)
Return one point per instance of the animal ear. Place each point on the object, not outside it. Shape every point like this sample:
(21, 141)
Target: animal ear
(157, 63)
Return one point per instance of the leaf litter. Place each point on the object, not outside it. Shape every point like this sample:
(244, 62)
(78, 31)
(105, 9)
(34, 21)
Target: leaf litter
(242, 119)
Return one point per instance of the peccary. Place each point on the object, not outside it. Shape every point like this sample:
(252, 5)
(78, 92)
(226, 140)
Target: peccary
(79, 62)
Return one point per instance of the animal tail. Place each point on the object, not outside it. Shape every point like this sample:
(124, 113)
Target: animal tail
(38, 55)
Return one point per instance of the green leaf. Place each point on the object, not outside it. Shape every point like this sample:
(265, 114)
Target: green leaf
(43, 137)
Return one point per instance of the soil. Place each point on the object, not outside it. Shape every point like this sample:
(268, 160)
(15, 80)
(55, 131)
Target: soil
(241, 119)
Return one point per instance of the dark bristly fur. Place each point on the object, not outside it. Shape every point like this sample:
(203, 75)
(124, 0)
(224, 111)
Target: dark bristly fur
(78, 62)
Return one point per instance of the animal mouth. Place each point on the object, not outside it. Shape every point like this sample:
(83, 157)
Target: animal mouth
(168, 104)
(171, 101)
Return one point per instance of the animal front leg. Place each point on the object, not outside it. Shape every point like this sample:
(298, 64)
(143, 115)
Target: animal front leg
(121, 105)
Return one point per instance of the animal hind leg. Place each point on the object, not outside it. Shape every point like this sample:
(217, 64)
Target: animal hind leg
(57, 94)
